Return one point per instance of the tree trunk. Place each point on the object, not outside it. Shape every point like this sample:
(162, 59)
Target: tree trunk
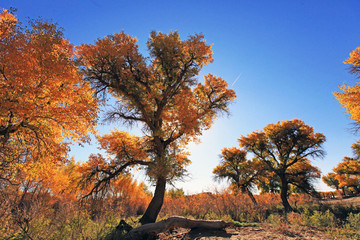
(152, 229)
(251, 196)
(283, 194)
(156, 203)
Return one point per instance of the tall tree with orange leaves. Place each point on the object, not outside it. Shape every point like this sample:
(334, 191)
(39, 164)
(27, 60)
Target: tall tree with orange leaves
(162, 94)
(285, 147)
(44, 101)
(349, 97)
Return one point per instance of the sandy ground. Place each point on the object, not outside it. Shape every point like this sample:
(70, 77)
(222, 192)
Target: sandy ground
(263, 231)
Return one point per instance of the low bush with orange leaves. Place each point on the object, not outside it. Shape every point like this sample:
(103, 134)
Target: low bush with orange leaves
(35, 211)
(222, 205)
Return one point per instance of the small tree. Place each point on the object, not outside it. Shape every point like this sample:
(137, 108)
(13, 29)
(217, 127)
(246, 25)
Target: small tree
(285, 147)
(242, 173)
(331, 181)
(346, 175)
(163, 95)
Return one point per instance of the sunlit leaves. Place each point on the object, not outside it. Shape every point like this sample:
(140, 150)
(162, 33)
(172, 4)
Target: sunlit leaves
(124, 146)
(173, 58)
(347, 173)
(44, 99)
(349, 96)
(331, 181)
(7, 23)
(157, 92)
(284, 143)
(354, 60)
(160, 92)
(349, 99)
(286, 147)
(243, 174)
(123, 150)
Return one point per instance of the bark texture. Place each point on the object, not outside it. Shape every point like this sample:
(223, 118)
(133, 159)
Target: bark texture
(147, 231)
(284, 196)
(251, 196)
(156, 203)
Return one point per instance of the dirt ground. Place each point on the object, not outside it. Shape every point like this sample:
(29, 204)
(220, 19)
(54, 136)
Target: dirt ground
(263, 231)
(344, 201)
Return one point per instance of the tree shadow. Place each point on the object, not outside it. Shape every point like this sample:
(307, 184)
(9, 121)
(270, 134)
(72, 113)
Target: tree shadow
(197, 233)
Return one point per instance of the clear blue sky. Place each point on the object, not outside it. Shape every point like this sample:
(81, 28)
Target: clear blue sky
(283, 58)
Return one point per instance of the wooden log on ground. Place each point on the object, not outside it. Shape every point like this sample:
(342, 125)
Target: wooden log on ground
(147, 231)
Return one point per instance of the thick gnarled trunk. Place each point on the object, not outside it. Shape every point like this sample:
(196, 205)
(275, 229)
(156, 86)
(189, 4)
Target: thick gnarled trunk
(156, 203)
(283, 194)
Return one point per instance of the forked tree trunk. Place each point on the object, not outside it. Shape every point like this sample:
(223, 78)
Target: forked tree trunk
(156, 203)
(283, 194)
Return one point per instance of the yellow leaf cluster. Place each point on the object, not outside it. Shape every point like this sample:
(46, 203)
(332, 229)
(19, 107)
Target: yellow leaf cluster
(354, 58)
(347, 173)
(124, 146)
(44, 100)
(349, 96)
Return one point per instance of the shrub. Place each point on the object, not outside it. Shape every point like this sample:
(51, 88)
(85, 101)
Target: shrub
(323, 219)
(275, 219)
(353, 222)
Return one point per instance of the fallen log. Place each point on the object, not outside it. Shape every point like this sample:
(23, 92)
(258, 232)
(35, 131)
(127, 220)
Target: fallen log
(150, 230)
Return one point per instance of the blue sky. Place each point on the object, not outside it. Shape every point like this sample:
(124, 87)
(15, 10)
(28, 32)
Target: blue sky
(283, 58)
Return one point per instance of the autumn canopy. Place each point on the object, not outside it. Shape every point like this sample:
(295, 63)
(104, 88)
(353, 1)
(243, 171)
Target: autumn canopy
(44, 101)
(54, 94)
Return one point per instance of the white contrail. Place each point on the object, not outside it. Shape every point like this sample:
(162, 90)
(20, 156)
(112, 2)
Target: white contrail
(236, 79)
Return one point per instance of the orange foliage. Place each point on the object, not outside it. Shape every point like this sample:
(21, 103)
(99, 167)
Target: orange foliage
(52, 200)
(44, 100)
(226, 206)
(45, 104)
(243, 174)
(354, 58)
(284, 144)
(346, 175)
(285, 147)
(349, 95)
(131, 196)
(159, 95)
(162, 94)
